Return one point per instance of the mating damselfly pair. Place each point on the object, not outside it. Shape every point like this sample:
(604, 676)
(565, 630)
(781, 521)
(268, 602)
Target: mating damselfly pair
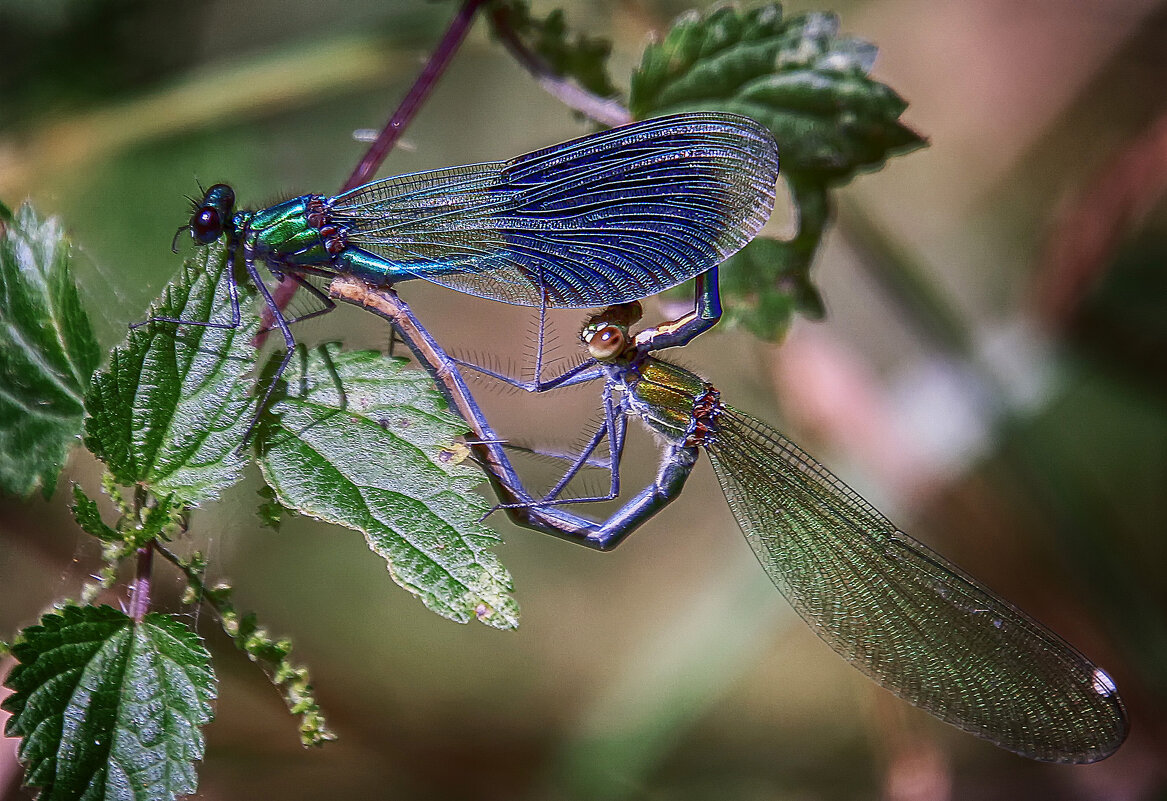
(609, 219)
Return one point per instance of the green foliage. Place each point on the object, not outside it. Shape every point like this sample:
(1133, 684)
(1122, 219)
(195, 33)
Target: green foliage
(811, 87)
(769, 288)
(769, 280)
(89, 518)
(109, 707)
(568, 53)
(797, 76)
(270, 512)
(47, 353)
(171, 408)
(369, 457)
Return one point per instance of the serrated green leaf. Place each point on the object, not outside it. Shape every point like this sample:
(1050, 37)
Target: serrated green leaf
(171, 409)
(109, 708)
(371, 460)
(89, 518)
(47, 354)
(797, 76)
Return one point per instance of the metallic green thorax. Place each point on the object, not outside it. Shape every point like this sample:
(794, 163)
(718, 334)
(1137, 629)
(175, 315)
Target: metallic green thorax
(283, 235)
(664, 395)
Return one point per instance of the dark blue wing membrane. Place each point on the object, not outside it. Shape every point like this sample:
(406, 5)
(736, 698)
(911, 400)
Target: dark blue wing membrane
(607, 218)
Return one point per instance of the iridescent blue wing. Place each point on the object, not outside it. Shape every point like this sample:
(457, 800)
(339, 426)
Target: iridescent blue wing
(607, 218)
(902, 614)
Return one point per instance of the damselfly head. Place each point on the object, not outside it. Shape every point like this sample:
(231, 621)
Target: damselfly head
(210, 217)
(605, 333)
(607, 342)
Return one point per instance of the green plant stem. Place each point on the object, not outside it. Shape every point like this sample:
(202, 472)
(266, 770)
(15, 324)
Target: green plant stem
(140, 595)
(270, 654)
(193, 577)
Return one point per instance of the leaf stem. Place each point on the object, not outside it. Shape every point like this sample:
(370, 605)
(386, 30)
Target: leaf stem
(375, 155)
(417, 95)
(140, 597)
(603, 110)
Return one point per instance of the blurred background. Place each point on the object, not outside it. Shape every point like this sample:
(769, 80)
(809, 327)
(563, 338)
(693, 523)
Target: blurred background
(991, 373)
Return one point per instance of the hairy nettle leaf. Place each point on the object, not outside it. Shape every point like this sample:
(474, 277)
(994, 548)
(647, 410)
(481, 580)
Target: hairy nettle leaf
(831, 120)
(358, 441)
(798, 76)
(108, 707)
(171, 408)
(47, 353)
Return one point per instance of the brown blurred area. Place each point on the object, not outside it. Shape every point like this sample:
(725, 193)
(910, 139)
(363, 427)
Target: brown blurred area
(991, 373)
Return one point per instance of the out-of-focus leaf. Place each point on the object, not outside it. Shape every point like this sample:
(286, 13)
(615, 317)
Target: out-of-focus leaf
(568, 53)
(171, 409)
(370, 458)
(108, 708)
(798, 76)
(767, 281)
(47, 353)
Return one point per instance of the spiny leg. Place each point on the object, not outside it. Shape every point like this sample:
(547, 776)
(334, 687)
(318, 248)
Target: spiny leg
(613, 429)
(289, 345)
(329, 303)
(232, 293)
(581, 373)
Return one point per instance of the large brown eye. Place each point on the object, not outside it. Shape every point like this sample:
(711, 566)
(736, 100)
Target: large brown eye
(607, 343)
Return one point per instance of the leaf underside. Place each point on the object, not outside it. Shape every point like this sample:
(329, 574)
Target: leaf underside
(371, 459)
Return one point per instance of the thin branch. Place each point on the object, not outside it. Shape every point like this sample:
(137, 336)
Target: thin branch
(417, 95)
(375, 155)
(272, 655)
(603, 110)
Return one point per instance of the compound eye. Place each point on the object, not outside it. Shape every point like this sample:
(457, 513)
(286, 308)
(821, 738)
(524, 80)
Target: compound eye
(206, 225)
(607, 343)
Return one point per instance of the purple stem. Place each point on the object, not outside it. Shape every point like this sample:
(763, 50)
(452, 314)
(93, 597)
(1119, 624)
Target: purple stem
(420, 90)
(389, 135)
(140, 597)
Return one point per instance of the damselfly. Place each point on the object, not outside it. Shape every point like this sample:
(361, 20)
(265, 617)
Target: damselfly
(886, 603)
(603, 219)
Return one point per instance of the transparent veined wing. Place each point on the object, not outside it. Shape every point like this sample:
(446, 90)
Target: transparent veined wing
(903, 615)
(607, 218)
